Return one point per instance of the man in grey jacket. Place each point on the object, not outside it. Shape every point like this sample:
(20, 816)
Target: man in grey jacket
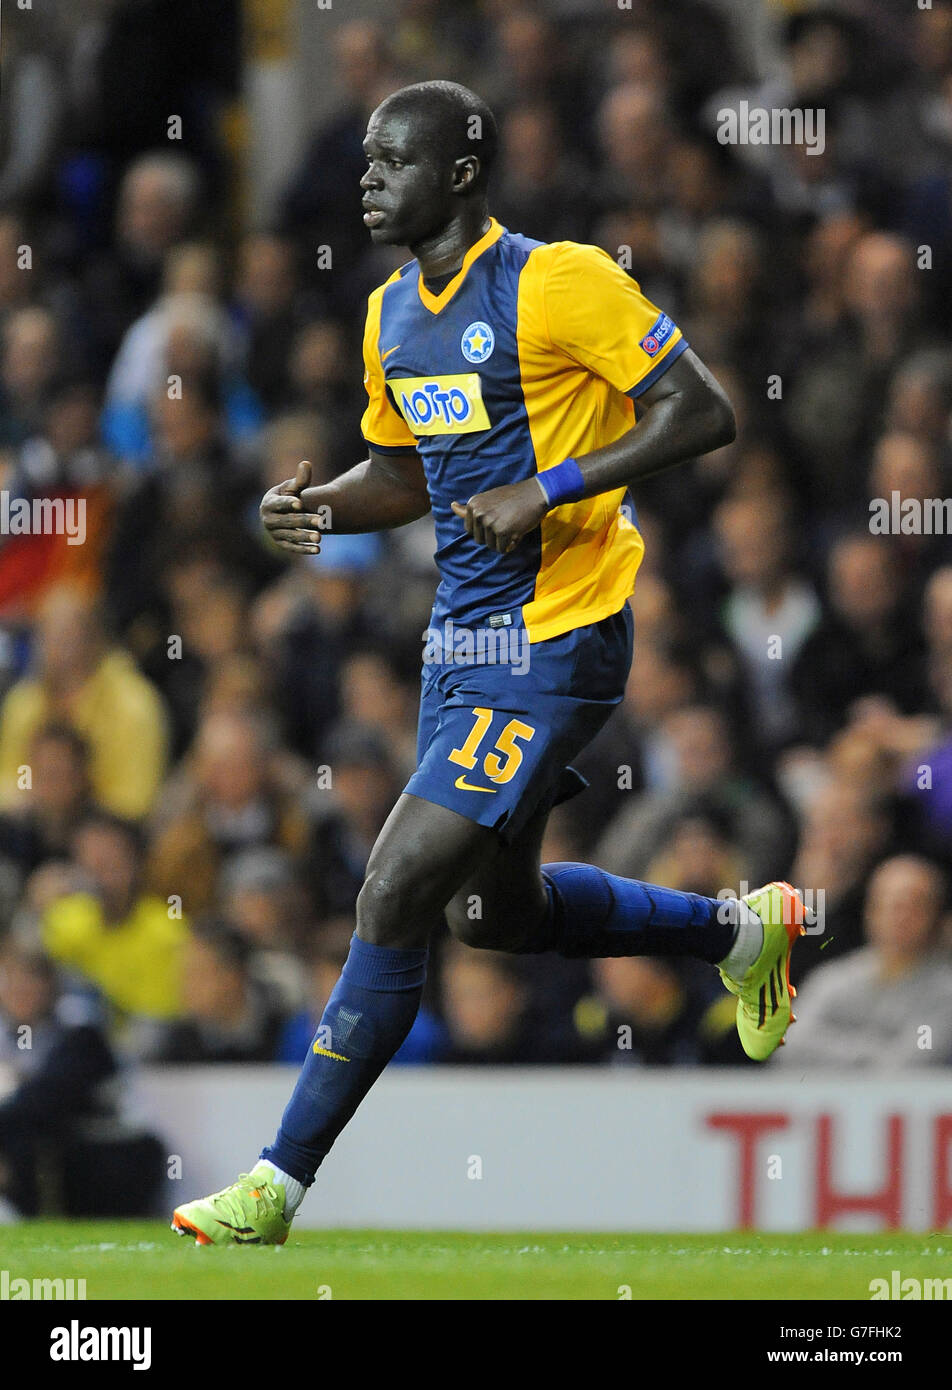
(889, 1004)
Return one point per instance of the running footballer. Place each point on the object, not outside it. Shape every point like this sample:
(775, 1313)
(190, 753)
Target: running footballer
(516, 390)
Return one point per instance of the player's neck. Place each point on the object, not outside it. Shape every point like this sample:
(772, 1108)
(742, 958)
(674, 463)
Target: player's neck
(444, 252)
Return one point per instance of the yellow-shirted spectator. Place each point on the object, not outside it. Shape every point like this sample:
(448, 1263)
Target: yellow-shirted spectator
(100, 693)
(110, 932)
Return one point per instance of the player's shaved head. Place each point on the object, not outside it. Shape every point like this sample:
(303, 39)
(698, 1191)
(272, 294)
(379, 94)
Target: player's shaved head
(449, 120)
(429, 150)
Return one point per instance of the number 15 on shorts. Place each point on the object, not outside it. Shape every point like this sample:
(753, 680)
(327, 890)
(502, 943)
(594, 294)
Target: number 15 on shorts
(503, 762)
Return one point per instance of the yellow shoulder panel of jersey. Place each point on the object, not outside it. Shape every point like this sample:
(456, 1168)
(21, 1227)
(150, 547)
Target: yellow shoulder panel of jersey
(597, 316)
(381, 423)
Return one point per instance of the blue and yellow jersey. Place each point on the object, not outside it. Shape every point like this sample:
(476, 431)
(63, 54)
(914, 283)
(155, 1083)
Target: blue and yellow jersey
(534, 352)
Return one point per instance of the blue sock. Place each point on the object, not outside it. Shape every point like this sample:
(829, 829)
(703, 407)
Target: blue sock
(593, 913)
(366, 1019)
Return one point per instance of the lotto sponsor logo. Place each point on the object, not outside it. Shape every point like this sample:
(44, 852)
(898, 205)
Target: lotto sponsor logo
(441, 404)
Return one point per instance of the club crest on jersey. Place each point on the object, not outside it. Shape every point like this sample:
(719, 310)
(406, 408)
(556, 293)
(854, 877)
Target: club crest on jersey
(441, 404)
(656, 337)
(477, 342)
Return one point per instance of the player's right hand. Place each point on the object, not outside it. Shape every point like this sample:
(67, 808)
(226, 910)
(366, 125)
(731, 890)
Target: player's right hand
(284, 518)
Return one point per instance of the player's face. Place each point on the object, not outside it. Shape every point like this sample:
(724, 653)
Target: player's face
(407, 192)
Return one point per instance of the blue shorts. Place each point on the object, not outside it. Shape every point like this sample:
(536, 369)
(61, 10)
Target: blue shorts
(495, 744)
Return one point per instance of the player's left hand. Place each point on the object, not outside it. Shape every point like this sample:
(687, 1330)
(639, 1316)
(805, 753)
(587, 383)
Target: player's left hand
(501, 517)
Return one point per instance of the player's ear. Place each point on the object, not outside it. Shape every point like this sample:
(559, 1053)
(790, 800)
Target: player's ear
(465, 173)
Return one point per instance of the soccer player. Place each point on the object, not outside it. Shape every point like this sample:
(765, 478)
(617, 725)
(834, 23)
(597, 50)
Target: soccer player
(515, 389)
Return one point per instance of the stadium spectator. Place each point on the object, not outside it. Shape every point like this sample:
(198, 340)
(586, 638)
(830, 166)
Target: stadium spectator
(435, 40)
(651, 1012)
(632, 753)
(230, 1015)
(538, 187)
(62, 467)
(180, 512)
(30, 356)
(527, 61)
(186, 334)
(232, 800)
(266, 306)
(826, 254)
(290, 437)
(704, 774)
(487, 1007)
(98, 921)
(65, 1146)
(669, 681)
(920, 397)
(40, 827)
(725, 313)
(698, 856)
(263, 898)
(911, 135)
(15, 287)
(837, 403)
(318, 381)
(843, 833)
(697, 192)
(349, 803)
(373, 695)
(95, 688)
(634, 140)
(769, 612)
(865, 646)
(937, 605)
(889, 1004)
(321, 205)
(156, 209)
(305, 626)
(922, 750)
(31, 111)
(207, 633)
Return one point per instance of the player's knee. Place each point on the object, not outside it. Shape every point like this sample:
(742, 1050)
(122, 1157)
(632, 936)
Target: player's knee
(386, 912)
(471, 925)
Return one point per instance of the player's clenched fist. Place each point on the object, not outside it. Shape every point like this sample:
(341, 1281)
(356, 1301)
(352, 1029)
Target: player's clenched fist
(284, 517)
(501, 517)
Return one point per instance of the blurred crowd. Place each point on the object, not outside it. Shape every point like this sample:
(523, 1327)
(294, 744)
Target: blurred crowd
(201, 737)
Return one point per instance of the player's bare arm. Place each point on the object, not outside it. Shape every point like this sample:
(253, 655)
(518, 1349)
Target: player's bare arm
(377, 494)
(686, 413)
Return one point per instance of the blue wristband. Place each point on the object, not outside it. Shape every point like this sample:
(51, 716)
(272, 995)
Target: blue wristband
(563, 483)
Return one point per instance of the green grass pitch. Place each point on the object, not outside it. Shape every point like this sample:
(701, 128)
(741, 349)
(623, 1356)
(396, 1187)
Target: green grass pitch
(144, 1260)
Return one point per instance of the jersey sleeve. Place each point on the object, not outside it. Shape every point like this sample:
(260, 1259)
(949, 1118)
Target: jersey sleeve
(382, 426)
(597, 316)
